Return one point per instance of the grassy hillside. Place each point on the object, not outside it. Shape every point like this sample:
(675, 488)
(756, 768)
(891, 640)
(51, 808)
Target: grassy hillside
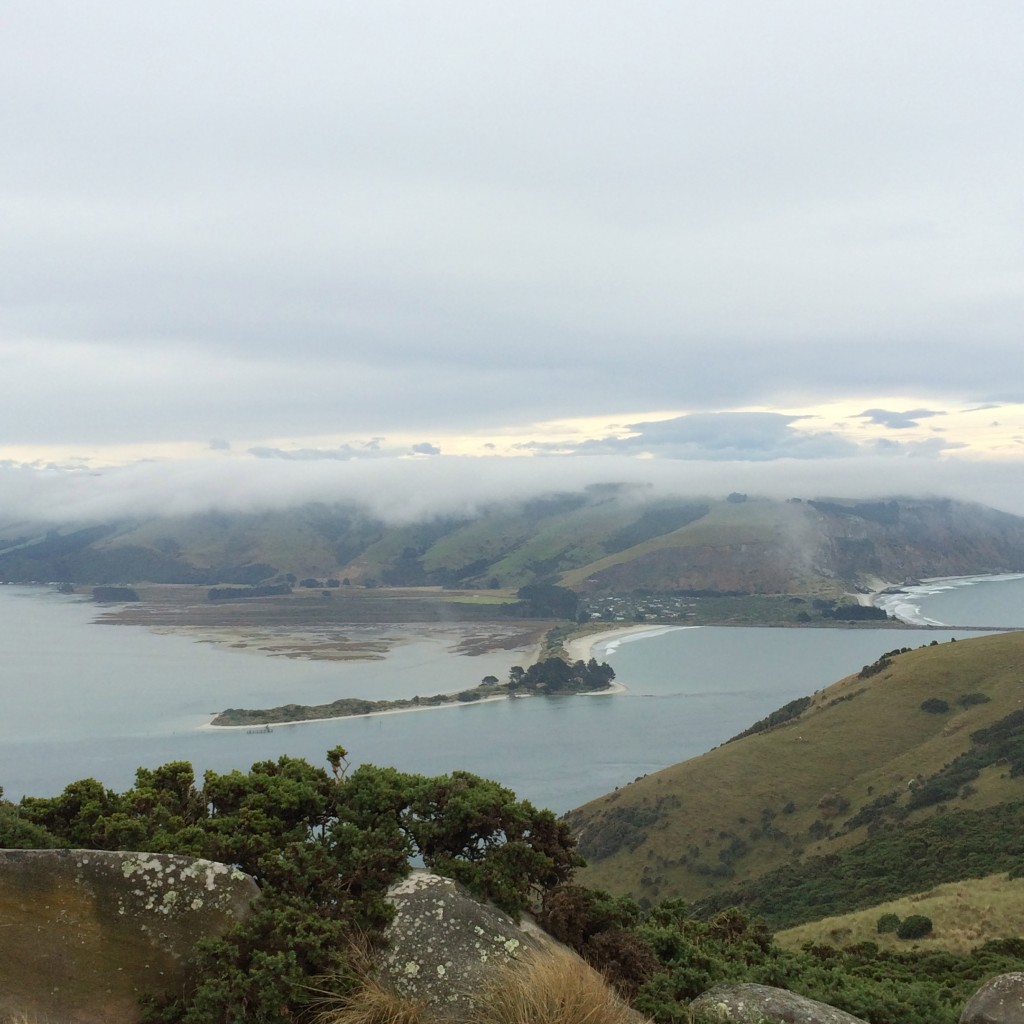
(599, 541)
(859, 759)
(964, 914)
(756, 545)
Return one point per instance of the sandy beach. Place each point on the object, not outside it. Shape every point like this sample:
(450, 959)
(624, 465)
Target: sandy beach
(582, 648)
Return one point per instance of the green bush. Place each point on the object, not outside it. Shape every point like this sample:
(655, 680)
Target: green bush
(934, 706)
(966, 700)
(917, 926)
(887, 923)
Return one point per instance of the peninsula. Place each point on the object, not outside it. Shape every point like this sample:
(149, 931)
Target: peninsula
(551, 677)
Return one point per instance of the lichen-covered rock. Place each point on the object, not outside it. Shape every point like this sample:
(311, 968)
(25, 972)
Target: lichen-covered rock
(83, 933)
(999, 1001)
(443, 944)
(752, 1004)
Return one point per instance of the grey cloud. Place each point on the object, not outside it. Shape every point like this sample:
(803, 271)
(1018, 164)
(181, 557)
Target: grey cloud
(218, 444)
(343, 453)
(930, 447)
(744, 436)
(356, 450)
(223, 222)
(898, 420)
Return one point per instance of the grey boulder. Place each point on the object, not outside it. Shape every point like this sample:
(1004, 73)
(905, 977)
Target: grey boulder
(753, 1004)
(999, 1001)
(84, 933)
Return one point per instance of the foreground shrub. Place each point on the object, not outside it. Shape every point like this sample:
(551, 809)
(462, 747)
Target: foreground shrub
(600, 927)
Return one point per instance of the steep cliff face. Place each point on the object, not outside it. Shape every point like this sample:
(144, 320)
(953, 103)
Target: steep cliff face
(900, 540)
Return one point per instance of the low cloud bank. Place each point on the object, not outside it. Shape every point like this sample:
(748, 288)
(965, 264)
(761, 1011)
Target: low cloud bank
(404, 490)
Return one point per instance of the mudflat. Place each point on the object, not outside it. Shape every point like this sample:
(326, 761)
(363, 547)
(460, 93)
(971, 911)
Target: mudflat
(339, 624)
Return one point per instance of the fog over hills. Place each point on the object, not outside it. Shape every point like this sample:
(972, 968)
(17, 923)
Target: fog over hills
(611, 537)
(404, 489)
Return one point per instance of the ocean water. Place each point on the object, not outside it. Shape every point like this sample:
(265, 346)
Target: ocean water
(86, 700)
(990, 601)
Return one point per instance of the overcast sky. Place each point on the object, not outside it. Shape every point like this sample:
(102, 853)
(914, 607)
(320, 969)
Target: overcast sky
(760, 241)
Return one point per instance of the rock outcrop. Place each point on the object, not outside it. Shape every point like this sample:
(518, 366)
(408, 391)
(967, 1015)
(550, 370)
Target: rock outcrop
(86, 932)
(443, 944)
(998, 1001)
(754, 1004)
(445, 948)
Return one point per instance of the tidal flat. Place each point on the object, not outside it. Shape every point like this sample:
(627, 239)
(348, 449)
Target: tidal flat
(341, 624)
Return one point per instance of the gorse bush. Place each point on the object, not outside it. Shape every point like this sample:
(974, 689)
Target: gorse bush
(887, 923)
(602, 929)
(916, 926)
(968, 700)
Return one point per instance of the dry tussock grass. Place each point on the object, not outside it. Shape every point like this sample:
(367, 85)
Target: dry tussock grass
(555, 988)
(372, 1004)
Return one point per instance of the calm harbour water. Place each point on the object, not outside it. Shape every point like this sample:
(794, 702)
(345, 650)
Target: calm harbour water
(86, 700)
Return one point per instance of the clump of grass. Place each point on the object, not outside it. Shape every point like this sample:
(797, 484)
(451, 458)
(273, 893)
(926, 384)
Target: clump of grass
(371, 1003)
(353, 995)
(555, 988)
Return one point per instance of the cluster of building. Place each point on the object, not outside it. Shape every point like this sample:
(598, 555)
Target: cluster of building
(636, 608)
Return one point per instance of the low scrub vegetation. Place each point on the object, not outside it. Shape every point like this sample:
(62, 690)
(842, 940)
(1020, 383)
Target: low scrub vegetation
(325, 845)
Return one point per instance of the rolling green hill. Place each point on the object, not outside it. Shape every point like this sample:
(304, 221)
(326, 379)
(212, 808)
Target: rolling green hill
(909, 774)
(601, 540)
